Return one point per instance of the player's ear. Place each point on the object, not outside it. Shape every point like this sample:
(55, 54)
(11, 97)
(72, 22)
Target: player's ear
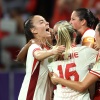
(33, 30)
(83, 22)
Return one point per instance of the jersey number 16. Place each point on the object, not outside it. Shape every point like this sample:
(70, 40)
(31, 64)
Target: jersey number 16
(70, 71)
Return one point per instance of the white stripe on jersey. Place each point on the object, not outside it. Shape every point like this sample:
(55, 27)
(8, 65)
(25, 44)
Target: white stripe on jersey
(96, 69)
(95, 73)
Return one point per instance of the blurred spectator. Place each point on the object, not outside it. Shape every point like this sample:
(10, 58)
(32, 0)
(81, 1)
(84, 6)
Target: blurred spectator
(64, 8)
(31, 6)
(1, 14)
(62, 11)
(6, 60)
(45, 8)
(86, 3)
(2, 64)
(14, 9)
(40, 7)
(97, 8)
(16, 14)
(93, 5)
(9, 4)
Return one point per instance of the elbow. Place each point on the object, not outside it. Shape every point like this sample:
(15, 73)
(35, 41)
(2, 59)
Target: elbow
(20, 59)
(38, 58)
(17, 59)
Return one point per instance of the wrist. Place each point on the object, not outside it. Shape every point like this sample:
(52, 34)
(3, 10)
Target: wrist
(51, 52)
(56, 79)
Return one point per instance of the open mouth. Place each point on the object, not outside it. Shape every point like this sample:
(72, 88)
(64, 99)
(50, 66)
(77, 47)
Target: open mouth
(47, 30)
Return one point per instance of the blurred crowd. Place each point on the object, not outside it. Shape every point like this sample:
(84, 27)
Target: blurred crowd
(13, 13)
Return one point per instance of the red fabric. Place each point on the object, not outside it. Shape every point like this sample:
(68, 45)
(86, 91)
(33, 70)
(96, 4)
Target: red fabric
(1, 12)
(59, 15)
(95, 2)
(33, 81)
(97, 93)
(3, 34)
(31, 6)
(13, 51)
(85, 3)
(97, 96)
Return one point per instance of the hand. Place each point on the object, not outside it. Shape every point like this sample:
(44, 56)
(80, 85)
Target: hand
(31, 41)
(58, 49)
(54, 78)
(95, 46)
(54, 75)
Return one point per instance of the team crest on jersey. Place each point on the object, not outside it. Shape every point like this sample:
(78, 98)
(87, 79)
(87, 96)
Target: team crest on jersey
(91, 66)
(50, 59)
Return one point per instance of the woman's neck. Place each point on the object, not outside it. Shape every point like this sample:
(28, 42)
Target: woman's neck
(41, 41)
(82, 30)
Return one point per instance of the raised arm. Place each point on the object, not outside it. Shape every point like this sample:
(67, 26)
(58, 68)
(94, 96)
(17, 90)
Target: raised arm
(42, 54)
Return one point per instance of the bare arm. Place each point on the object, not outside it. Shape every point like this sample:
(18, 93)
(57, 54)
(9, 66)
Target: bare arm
(79, 86)
(42, 54)
(22, 54)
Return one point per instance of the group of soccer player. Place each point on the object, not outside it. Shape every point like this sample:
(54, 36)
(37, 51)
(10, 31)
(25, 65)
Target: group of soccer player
(66, 70)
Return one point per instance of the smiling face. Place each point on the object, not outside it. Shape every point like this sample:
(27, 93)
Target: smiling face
(97, 35)
(41, 27)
